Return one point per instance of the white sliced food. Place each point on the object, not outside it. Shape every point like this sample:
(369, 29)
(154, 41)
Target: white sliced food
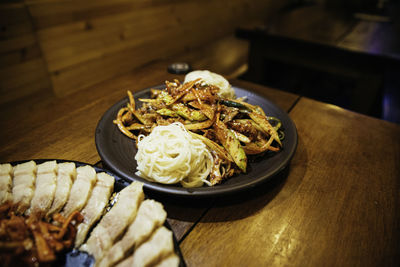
(150, 216)
(159, 246)
(115, 221)
(23, 185)
(65, 177)
(81, 189)
(170, 261)
(45, 188)
(95, 205)
(5, 183)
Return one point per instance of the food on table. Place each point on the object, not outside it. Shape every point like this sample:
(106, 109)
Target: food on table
(24, 176)
(231, 128)
(5, 182)
(171, 260)
(45, 188)
(160, 245)
(95, 205)
(29, 241)
(66, 175)
(170, 154)
(80, 190)
(211, 78)
(150, 216)
(139, 222)
(126, 228)
(109, 228)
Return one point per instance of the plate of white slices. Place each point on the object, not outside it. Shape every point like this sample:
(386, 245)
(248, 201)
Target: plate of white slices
(76, 214)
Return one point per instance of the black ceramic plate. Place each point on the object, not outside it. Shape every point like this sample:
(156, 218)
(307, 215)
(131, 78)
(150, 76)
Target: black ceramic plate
(77, 258)
(118, 151)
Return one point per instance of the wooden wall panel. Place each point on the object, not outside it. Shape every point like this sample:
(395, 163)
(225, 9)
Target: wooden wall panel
(22, 68)
(81, 43)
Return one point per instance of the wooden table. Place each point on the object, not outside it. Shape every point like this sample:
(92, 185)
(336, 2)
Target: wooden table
(336, 204)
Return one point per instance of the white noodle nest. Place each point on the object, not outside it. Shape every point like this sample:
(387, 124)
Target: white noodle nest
(170, 155)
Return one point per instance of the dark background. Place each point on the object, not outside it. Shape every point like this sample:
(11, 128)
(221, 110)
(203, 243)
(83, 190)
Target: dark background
(342, 52)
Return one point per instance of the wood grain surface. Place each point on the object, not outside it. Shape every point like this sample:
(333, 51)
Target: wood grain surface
(23, 70)
(336, 204)
(67, 46)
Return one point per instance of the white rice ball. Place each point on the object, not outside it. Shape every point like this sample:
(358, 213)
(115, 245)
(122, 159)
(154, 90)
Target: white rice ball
(211, 78)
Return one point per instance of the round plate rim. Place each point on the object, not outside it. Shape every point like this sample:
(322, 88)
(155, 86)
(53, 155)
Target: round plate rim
(204, 191)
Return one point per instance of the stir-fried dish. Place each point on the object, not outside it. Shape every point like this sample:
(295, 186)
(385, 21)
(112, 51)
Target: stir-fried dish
(232, 129)
(28, 241)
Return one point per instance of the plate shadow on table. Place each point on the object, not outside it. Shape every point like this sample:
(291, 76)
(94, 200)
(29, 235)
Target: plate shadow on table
(191, 209)
(248, 200)
(184, 213)
(272, 192)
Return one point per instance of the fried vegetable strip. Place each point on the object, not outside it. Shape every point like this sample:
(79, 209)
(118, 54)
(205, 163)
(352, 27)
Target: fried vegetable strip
(265, 126)
(231, 144)
(121, 125)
